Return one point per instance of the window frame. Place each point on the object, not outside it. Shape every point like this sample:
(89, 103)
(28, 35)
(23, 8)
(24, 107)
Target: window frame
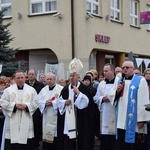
(43, 3)
(134, 13)
(116, 10)
(93, 3)
(6, 5)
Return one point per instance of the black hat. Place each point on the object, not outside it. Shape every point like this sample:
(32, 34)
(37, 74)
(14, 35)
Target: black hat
(87, 78)
(90, 72)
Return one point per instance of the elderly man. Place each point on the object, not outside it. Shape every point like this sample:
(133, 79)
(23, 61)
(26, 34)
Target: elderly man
(118, 70)
(129, 99)
(107, 122)
(48, 106)
(19, 102)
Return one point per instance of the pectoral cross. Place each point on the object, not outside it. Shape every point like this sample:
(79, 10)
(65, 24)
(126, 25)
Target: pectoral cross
(49, 134)
(70, 107)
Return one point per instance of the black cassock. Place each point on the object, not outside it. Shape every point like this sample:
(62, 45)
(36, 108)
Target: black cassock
(140, 141)
(85, 124)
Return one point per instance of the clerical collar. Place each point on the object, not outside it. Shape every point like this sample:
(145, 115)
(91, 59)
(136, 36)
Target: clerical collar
(20, 87)
(110, 81)
(129, 78)
(51, 88)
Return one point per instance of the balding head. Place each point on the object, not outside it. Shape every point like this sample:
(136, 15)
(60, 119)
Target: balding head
(128, 68)
(50, 79)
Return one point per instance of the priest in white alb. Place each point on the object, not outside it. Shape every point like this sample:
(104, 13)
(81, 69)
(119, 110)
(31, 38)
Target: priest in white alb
(107, 121)
(129, 99)
(19, 102)
(48, 106)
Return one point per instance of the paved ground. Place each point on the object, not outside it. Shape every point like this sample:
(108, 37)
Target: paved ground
(97, 145)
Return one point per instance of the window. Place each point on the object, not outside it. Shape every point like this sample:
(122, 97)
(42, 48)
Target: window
(42, 6)
(92, 6)
(115, 10)
(134, 12)
(6, 4)
(109, 59)
(148, 25)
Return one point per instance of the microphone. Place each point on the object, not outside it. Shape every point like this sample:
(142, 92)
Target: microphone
(122, 79)
(122, 82)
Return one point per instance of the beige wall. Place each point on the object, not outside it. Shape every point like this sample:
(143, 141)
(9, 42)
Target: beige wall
(50, 32)
(43, 31)
(123, 37)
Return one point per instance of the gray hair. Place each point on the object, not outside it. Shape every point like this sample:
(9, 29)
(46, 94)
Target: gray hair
(131, 63)
(52, 74)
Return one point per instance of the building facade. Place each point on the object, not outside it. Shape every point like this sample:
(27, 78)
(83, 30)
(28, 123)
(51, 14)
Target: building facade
(95, 31)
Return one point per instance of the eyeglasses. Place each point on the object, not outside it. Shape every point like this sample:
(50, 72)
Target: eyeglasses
(127, 67)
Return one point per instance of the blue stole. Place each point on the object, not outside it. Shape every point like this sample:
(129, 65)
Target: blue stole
(131, 119)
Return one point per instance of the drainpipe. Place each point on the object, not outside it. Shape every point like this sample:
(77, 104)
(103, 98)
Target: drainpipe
(72, 28)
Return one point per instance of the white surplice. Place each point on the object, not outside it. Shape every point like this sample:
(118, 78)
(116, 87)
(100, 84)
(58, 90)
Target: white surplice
(81, 102)
(19, 124)
(49, 112)
(142, 99)
(107, 122)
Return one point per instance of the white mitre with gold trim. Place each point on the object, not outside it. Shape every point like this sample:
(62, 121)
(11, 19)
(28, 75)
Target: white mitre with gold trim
(75, 66)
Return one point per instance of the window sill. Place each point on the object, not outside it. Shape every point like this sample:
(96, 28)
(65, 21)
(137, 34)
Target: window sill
(97, 16)
(115, 21)
(42, 14)
(135, 26)
(5, 18)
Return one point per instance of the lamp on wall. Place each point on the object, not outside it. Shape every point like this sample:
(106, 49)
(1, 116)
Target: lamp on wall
(107, 17)
(89, 15)
(58, 14)
(19, 15)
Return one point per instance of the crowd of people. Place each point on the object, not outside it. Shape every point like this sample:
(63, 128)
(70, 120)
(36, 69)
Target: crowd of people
(47, 114)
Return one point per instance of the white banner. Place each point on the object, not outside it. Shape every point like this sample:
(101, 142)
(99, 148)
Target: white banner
(138, 61)
(38, 74)
(146, 61)
(61, 72)
(0, 68)
(57, 69)
(46, 68)
(51, 68)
